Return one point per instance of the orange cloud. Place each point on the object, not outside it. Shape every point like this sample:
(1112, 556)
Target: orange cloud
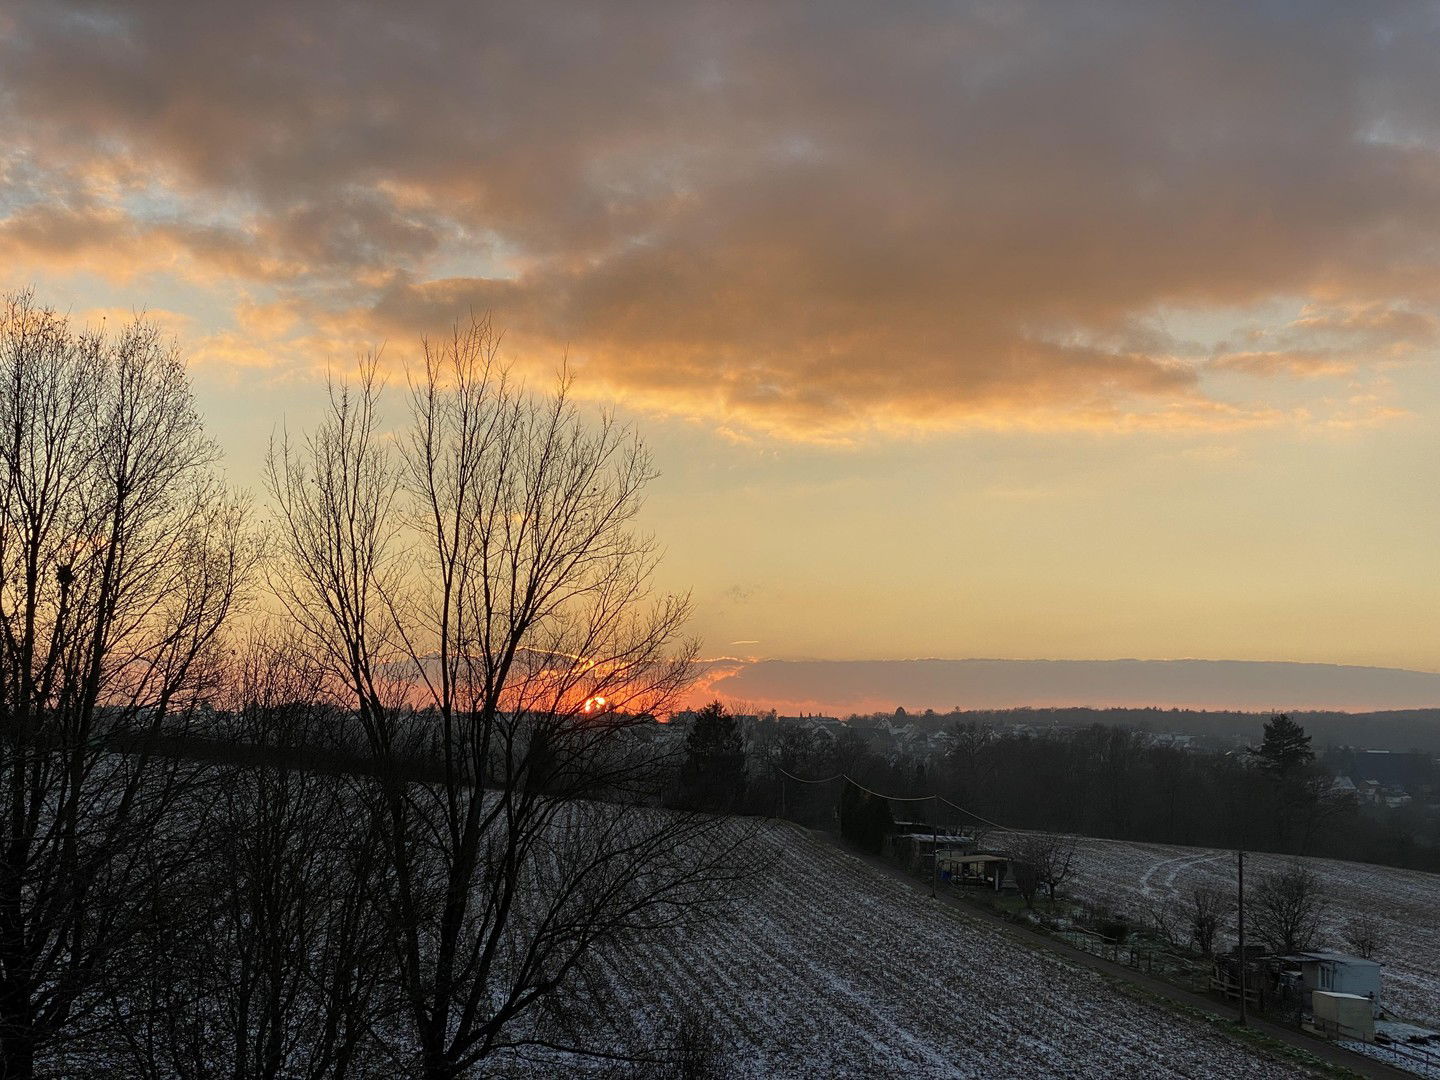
(781, 219)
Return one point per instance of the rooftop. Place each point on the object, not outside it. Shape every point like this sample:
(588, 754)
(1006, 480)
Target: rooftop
(1330, 956)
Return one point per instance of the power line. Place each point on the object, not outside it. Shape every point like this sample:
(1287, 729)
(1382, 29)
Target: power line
(828, 779)
(862, 787)
(977, 817)
(892, 798)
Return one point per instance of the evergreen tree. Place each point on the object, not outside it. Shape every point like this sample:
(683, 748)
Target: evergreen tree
(1285, 749)
(851, 804)
(714, 774)
(879, 822)
(1295, 785)
(865, 819)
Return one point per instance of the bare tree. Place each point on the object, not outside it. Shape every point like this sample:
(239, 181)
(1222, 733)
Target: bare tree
(121, 557)
(1027, 881)
(1365, 934)
(478, 587)
(1209, 909)
(1167, 920)
(271, 967)
(1049, 856)
(1286, 908)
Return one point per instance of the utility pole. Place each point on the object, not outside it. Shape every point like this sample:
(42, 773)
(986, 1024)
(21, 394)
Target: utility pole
(934, 843)
(1240, 886)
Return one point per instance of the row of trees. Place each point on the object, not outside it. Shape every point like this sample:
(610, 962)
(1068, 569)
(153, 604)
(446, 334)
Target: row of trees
(1416, 731)
(1115, 782)
(1100, 781)
(1285, 911)
(460, 589)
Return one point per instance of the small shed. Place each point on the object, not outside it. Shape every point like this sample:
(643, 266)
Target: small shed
(975, 868)
(1344, 1016)
(1323, 971)
(916, 849)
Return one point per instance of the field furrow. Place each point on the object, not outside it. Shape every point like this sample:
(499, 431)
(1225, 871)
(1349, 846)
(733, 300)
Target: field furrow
(831, 968)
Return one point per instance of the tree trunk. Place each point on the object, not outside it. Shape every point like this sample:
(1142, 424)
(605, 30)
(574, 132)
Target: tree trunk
(17, 1054)
(439, 1067)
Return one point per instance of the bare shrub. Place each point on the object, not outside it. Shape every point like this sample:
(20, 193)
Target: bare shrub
(1365, 934)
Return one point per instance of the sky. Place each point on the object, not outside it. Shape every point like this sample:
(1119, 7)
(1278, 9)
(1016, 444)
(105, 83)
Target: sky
(991, 329)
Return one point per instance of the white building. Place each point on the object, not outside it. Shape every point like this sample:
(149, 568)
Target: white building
(1337, 973)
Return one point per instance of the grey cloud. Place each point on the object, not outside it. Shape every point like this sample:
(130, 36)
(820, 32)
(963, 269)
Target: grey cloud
(842, 687)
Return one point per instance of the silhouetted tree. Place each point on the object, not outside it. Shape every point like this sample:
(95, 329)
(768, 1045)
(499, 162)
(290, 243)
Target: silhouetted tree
(713, 775)
(121, 559)
(793, 749)
(1050, 856)
(1209, 909)
(273, 964)
(1297, 791)
(865, 819)
(849, 754)
(1027, 881)
(485, 564)
(1285, 748)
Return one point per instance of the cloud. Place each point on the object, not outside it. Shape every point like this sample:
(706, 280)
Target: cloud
(841, 687)
(174, 323)
(1335, 340)
(1285, 362)
(809, 220)
(109, 242)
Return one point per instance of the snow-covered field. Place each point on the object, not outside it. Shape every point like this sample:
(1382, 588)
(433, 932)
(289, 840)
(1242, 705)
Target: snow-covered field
(833, 968)
(1136, 877)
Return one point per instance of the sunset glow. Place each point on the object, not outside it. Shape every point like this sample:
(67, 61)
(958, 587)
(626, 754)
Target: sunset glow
(725, 540)
(1022, 330)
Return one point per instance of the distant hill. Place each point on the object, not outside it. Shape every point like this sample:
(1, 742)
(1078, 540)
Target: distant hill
(1394, 730)
(840, 687)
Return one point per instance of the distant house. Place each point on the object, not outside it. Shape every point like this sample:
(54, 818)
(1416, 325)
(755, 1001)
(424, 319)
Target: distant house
(1342, 787)
(1288, 986)
(916, 845)
(1175, 740)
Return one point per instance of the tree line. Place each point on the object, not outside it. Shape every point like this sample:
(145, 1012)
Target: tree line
(1104, 781)
(1399, 730)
